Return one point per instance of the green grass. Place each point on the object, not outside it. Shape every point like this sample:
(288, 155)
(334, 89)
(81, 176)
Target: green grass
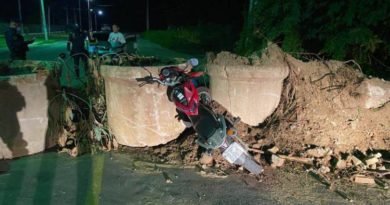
(2, 42)
(180, 40)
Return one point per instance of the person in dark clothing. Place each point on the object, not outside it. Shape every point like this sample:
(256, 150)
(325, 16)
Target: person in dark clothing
(76, 46)
(16, 44)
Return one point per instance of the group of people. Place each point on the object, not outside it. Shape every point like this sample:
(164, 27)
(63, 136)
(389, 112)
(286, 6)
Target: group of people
(18, 46)
(77, 48)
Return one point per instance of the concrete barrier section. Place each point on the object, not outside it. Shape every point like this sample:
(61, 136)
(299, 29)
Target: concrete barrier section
(138, 116)
(251, 92)
(24, 103)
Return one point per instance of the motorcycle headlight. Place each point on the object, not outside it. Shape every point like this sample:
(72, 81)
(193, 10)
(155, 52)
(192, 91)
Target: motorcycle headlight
(166, 72)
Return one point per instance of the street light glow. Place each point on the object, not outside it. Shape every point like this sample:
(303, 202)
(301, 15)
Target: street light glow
(100, 12)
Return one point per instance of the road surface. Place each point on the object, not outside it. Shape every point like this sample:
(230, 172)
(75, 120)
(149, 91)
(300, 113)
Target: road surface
(53, 178)
(43, 51)
(50, 51)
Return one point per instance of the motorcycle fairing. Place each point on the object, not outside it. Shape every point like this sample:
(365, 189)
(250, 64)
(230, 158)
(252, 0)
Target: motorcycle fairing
(195, 74)
(186, 98)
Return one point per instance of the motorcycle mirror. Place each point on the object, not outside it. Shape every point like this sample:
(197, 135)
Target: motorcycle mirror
(193, 62)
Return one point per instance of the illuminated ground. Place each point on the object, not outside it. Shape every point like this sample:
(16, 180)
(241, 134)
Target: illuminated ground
(40, 49)
(116, 179)
(49, 50)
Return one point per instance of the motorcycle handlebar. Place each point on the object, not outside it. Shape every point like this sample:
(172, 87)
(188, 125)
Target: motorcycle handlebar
(151, 80)
(144, 79)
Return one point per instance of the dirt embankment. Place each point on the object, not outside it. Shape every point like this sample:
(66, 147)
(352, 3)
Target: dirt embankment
(334, 106)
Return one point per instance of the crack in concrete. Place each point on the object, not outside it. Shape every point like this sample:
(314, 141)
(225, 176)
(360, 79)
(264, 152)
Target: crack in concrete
(228, 87)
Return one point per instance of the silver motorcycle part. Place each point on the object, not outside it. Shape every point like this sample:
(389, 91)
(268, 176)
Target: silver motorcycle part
(236, 154)
(186, 123)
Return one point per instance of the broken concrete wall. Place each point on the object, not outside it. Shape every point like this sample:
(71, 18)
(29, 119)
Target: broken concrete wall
(24, 103)
(138, 116)
(374, 92)
(250, 90)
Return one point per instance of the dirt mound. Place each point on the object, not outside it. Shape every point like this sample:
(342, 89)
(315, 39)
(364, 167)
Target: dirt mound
(227, 58)
(330, 109)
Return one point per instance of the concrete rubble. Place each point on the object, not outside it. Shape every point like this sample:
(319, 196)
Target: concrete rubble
(206, 160)
(374, 93)
(277, 161)
(318, 152)
(362, 179)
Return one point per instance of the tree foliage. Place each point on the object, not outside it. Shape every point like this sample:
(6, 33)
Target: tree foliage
(350, 29)
(200, 38)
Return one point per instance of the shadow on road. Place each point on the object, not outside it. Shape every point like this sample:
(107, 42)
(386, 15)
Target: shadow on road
(12, 102)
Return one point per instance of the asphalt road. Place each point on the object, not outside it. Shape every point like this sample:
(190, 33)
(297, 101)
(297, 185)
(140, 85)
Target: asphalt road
(53, 178)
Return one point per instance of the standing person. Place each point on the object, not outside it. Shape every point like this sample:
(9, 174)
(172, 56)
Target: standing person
(117, 40)
(76, 46)
(16, 44)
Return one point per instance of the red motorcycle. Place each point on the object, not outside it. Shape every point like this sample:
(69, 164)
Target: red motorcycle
(192, 102)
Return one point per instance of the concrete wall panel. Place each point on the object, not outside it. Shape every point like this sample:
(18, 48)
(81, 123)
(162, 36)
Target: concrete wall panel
(24, 103)
(251, 92)
(137, 116)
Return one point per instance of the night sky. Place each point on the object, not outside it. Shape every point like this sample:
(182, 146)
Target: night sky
(131, 14)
